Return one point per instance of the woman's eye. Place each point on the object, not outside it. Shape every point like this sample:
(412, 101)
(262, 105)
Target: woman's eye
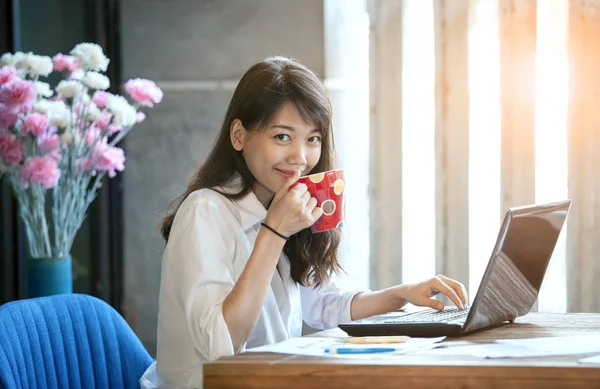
(314, 139)
(282, 137)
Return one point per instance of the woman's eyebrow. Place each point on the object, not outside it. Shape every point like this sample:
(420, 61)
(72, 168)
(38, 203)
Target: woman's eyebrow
(283, 126)
(290, 128)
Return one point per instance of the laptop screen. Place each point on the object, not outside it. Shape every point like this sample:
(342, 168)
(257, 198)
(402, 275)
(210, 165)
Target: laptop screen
(514, 275)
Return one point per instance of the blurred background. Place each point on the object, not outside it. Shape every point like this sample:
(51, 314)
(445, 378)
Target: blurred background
(446, 113)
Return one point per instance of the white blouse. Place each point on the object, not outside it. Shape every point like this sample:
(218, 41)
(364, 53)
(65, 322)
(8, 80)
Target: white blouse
(210, 242)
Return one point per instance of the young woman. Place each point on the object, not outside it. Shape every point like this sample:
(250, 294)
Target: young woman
(241, 267)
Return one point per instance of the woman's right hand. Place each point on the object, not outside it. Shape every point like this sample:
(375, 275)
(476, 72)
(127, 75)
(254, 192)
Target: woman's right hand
(292, 210)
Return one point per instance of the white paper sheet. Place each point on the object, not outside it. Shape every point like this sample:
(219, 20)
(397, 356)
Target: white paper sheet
(316, 347)
(491, 350)
(560, 345)
(595, 360)
(524, 348)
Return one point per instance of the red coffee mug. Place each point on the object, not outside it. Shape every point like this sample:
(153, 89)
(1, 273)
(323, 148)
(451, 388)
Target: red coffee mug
(328, 189)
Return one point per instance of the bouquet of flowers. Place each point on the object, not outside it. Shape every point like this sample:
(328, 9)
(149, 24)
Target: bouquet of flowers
(56, 145)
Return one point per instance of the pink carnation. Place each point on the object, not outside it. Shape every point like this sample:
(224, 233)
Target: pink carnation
(8, 117)
(140, 117)
(100, 98)
(92, 135)
(111, 159)
(10, 149)
(35, 124)
(113, 129)
(104, 121)
(50, 145)
(18, 93)
(40, 170)
(106, 158)
(144, 92)
(7, 74)
(64, 62)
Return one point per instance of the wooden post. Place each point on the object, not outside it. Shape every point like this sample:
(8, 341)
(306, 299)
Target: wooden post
(451, 18)
(386, 142)
(517, 97)
(583, 233)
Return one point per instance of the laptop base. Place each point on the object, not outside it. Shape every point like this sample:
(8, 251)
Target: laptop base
(415, 330)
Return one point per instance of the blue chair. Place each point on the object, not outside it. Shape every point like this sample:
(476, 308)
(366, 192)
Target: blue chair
(68, 341)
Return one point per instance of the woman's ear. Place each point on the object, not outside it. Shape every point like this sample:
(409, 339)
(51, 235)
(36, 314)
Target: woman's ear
(237, 132)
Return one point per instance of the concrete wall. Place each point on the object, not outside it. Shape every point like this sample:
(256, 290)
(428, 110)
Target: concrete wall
(195, 50)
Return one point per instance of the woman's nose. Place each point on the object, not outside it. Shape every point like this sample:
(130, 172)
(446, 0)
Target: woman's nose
(297, 156)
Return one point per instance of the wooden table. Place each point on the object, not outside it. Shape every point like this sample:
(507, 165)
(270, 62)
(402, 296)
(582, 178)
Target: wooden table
(253, 370)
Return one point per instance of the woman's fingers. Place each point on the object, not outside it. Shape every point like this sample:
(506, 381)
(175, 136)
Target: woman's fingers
(317, 213)
(306, 197)
(312, 209)
(298, 191)
(440, 285)
(459, 288)
(311, 204)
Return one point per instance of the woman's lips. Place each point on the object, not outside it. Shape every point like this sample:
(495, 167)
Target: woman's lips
(286, 173)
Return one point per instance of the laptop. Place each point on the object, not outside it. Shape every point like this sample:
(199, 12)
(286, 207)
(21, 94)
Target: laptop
(508, 289)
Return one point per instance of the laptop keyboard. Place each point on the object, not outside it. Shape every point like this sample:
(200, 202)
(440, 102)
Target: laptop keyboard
(431, 316)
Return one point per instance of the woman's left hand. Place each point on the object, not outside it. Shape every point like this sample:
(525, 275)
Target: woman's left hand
(421, 294)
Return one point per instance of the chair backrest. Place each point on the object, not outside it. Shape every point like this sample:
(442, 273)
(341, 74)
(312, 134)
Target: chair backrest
(68, 341)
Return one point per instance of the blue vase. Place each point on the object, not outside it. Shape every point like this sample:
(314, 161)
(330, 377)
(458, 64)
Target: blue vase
(49, 276)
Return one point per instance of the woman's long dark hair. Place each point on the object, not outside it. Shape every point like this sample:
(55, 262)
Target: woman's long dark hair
(260, 94)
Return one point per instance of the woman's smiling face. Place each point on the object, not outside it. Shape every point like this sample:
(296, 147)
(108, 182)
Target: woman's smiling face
(286, 145)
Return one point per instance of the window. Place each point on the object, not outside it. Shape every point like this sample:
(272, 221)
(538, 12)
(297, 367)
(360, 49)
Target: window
(347, 37)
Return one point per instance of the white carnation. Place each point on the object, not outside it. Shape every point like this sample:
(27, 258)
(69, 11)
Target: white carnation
(43, 89)
(96, 81)
(7, 59)
(93, 113)
(12, 59)
(85, 99)
(124, 113)
(69, 88)
(28, 63)
(38, 65)
(91, 56)
(58, 113)
(77, 74)
(42, 106)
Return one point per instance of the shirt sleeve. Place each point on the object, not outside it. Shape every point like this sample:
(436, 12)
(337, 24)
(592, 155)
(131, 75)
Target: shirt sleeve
(203, 274)
(326, 307)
